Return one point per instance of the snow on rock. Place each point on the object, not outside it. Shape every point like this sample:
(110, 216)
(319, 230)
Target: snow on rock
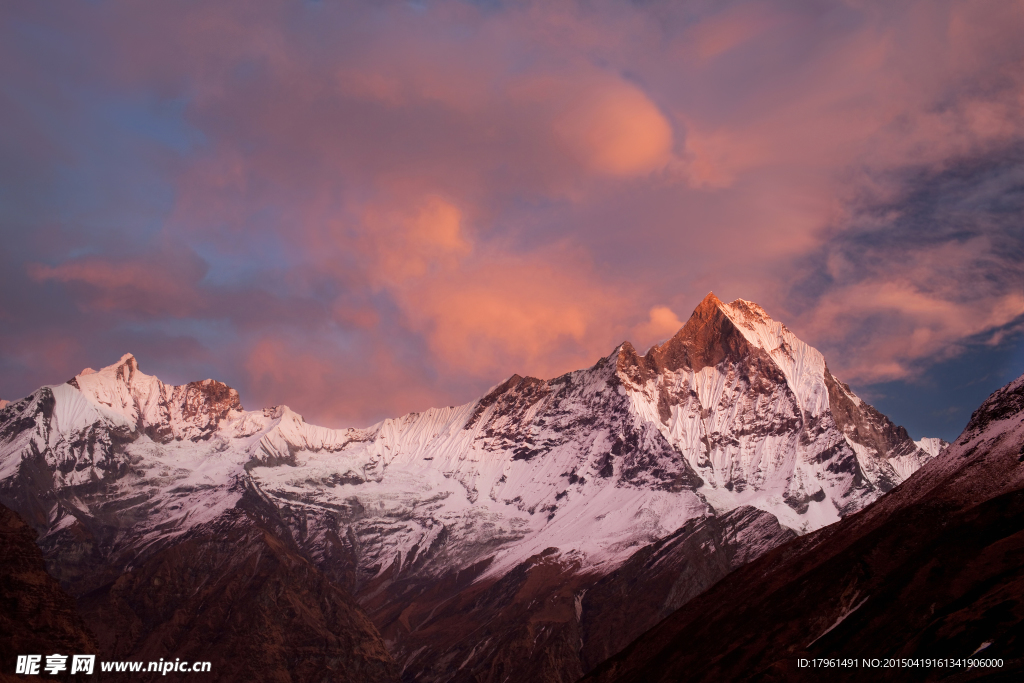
(997, 422)
(73, 412)
(166, 413)
(931, 445)
(927, 449)
(803, 365)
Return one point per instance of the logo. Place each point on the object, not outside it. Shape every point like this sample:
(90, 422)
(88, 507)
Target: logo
(55, 664)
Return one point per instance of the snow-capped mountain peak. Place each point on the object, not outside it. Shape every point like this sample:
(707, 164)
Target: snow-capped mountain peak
(717, 331)
(164, 412)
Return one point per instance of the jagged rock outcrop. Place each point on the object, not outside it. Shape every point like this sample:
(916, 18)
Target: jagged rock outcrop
(165, 413)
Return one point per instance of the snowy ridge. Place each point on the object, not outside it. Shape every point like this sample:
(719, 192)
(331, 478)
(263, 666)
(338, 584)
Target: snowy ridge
(886, 453)
(803, 365)
(166, 412)
(741, 465)
(454, 467)
(996, 422)
(73, 412)
(932, 446)
(906, 465)
(807, 374)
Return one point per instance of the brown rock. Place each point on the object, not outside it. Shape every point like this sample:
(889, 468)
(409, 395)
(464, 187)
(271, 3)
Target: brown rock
(240, 596)
(36, 616)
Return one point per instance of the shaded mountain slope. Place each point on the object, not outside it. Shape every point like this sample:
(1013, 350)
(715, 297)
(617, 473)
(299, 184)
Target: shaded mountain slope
(238, 594)
(549, 620)
(935, 569)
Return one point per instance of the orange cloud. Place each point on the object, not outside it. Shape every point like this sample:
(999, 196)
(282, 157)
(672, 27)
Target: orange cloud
(312, 382)
(714, 159)
(411, 243)
(661, 324)
(509, 314)
(613, 126)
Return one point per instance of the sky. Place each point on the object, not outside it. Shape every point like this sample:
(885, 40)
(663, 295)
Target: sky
(361, 209)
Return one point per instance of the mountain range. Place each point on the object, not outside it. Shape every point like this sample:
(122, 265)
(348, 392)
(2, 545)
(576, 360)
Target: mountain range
(528, 535)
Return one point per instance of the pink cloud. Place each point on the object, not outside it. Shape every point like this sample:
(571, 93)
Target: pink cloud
(145, 287)
(662, 323)
(410, 243)
(887, 323)
(326, 392)
(367, 149)
(542, 315)
(612, 126)
(733, 27)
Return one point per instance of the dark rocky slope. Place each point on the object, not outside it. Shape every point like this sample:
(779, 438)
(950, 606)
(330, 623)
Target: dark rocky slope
(935, 569)
(36, 616)
(546, 621)
(238, 594)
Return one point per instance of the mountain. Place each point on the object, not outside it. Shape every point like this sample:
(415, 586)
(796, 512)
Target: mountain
(500, 538)
(932, 570)
(102, 466)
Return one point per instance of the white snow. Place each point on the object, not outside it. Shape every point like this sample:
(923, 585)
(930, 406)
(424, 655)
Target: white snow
(803, 365)
(74, 411)
(841, 619)
(120, 387)
(931, 445)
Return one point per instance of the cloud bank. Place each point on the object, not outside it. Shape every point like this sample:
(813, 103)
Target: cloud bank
(361, 209)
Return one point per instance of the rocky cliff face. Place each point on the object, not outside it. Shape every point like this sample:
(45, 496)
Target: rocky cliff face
(484, 541)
